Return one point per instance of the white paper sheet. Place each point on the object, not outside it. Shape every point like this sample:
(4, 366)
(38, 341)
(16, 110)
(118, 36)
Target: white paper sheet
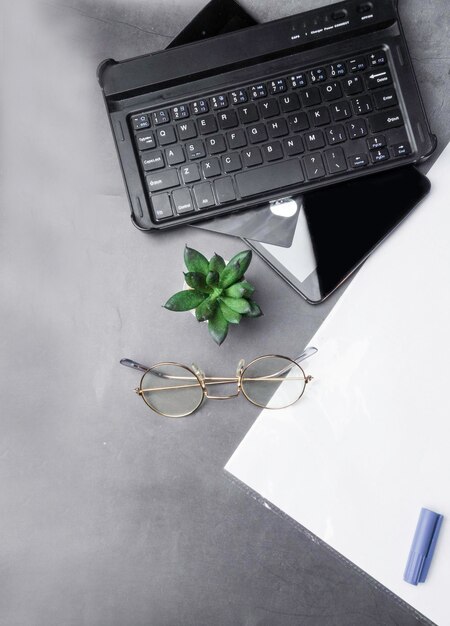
(368, 445)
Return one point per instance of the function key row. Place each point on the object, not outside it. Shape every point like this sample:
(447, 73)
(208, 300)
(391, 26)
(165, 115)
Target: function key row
(265, 89)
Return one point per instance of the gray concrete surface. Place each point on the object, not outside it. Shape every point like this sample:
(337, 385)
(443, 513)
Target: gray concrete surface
(110, 515)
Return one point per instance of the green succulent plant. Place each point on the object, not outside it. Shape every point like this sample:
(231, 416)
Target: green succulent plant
(217, 291)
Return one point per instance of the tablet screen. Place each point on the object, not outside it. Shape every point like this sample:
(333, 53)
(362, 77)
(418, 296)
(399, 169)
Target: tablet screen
(339, 226)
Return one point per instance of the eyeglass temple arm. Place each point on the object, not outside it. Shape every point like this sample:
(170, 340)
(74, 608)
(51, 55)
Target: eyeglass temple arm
(306, 354)
(133, 365)
(142, 368)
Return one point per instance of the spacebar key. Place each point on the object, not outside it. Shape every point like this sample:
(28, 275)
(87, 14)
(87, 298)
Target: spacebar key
(269, 178)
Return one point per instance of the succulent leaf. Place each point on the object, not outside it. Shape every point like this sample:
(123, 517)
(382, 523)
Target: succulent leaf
(195, 280)
(235, 268)
(231, 316)
(255, 310)
(185, 300)
(216, 263)
(206, 310)
(212, 279)
(239, 305)
(218, 327)
(195, 261)
(243, 289)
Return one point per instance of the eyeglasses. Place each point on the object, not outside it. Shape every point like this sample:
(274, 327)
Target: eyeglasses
(176, 390)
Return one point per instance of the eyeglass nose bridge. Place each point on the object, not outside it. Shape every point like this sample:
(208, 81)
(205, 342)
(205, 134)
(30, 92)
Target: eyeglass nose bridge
(231, 395)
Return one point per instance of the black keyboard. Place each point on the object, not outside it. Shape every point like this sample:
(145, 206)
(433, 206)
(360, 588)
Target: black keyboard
(272, 133)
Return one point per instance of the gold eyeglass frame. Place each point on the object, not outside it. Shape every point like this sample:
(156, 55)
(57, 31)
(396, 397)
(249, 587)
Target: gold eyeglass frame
(205, 381)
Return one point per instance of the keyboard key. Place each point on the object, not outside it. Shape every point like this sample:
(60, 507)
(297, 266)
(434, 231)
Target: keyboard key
(182, 201)
(258, 91)
(219, 102)
(269, 108)
(252, 157)
(374, 143)
(277, 128)
(335, 160)
(357, 64)
(199, 107)
(377, 58)
(161, 117)
(340, 111)
(211, 168)
(257, 133)
(162, 207)
(385, 98)
(145, 140)
(317, 75)
(180, 112)
(228, 119)
(358, 160)
(162, 180)
(272, 151)
(207, 125)
(314, 166)
(293, 145)
(152, 161)
(190, 173)
(298, 80)
(385, 120)
(204, 196)
(289, 103)
(357, 129)
(239, 97)
(380, 155)
(248, 113)
(378, 78)
(310, 96)
(337, 69)
(298, 122)
(236, 139)
(195, 149)
(314, 140)
(362, 105)
(352, 85)
(335, 134)
(224, 189)
(269, 178)
(175, 155)
(231, 162)
(332, 91)
(277, 86)
(216, 144)
(401, 149)
(140, 121)
(166, 135)
(186, 130)
(320, 116)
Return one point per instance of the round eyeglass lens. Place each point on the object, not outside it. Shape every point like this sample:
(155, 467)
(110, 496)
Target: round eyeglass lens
(273, 382)
(171, 390)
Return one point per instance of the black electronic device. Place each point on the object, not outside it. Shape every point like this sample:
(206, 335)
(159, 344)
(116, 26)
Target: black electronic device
(216, 18)
(265, 112)
(340, 226)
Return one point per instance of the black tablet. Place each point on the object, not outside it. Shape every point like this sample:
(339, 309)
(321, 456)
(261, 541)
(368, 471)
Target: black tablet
(339, 227)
